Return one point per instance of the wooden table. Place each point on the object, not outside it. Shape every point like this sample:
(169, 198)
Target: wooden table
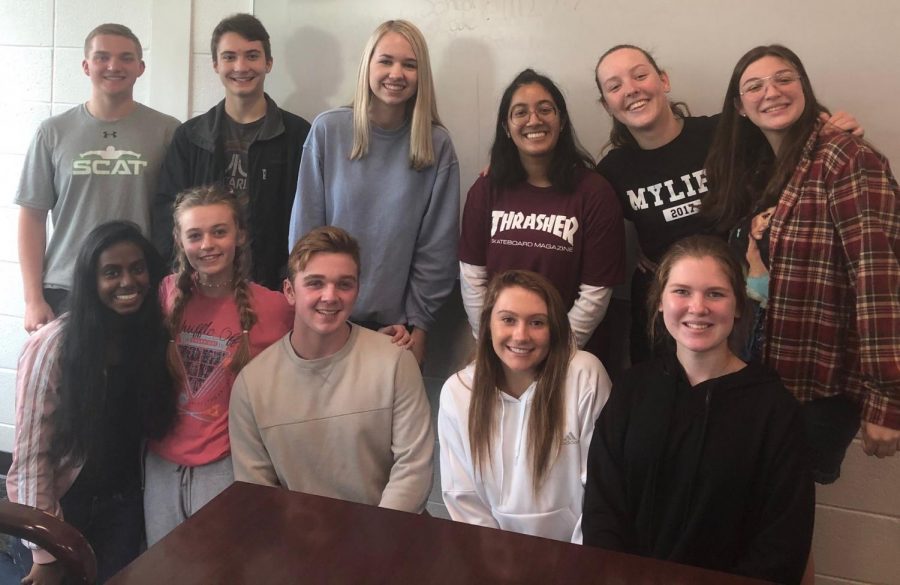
(254, 534)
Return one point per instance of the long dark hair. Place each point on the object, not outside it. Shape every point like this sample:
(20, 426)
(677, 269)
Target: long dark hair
(506, 166)
(742, 170)
(619, 135)
(91, 330)
(545, 425)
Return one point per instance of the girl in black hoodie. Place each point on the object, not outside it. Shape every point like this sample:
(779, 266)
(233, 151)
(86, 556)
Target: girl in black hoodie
(698, 457)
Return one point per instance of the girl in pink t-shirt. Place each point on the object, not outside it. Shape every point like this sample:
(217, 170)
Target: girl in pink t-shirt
(218, 322)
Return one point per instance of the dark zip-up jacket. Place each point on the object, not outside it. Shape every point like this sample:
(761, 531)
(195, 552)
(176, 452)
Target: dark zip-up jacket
(715, 475)
(196, 157)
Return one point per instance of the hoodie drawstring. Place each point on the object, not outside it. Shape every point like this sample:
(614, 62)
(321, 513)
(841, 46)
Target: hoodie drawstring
(499, 453)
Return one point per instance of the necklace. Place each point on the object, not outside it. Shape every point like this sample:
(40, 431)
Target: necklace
(213, 284)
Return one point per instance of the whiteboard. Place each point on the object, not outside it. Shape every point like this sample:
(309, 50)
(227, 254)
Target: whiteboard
(851, 51)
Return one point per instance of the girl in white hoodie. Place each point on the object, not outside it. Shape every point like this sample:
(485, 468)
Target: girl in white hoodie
(515, 425)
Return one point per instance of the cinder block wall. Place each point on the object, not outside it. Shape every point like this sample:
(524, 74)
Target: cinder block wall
(42, 41)
(857, 522)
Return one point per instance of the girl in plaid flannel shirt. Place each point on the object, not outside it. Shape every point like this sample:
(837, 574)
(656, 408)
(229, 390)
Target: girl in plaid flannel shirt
(833, 317)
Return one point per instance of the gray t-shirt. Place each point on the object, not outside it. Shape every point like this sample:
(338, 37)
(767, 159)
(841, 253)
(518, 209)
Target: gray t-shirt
(236, 141)
(87, 171)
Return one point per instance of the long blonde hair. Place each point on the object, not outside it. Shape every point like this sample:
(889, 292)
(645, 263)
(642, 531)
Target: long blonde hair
(185, 276)
(423, 105)
(547, 418)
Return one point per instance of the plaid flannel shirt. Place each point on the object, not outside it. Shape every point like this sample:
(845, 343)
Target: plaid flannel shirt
(833, 322)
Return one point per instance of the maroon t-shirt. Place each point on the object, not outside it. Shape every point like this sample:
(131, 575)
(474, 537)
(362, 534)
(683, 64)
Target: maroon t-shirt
(570, 238)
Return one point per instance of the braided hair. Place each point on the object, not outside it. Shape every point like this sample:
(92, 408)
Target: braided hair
(186, 275)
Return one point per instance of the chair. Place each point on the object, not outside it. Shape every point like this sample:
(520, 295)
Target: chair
(58, 538)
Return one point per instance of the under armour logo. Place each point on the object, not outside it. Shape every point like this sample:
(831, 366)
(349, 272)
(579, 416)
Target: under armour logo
(107, 134)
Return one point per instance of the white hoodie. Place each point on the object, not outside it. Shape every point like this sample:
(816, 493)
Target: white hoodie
(502, 496)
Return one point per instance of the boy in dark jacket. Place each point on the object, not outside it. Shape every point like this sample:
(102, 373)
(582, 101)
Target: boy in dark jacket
(246, 142)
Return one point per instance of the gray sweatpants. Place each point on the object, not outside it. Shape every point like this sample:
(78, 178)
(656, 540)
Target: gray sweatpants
(172, 492)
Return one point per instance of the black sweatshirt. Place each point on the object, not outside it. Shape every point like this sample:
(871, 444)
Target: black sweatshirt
(714, 475)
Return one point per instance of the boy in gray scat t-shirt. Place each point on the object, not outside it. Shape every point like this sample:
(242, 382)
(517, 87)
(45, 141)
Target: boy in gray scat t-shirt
(94, 163)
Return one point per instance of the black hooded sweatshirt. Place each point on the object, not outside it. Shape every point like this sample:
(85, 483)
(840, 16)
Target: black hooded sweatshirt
(715, 475)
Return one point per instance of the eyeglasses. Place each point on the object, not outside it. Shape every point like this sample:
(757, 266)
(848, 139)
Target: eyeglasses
(755, 87)
(520, 115)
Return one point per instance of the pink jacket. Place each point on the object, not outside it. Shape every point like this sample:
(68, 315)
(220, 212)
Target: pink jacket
(33, 479)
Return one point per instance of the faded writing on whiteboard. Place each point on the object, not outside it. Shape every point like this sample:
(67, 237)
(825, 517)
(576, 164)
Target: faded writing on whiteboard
(467, 15)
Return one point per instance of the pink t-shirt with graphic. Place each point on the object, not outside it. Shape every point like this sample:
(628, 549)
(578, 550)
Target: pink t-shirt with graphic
(210, 334)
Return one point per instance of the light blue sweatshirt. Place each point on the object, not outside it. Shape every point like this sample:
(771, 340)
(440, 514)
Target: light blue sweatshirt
(406, 221)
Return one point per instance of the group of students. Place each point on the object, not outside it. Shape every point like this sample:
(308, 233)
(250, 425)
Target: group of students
(697, 455)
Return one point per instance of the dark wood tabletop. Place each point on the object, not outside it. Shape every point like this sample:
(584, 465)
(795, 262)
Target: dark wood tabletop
(255, 534)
